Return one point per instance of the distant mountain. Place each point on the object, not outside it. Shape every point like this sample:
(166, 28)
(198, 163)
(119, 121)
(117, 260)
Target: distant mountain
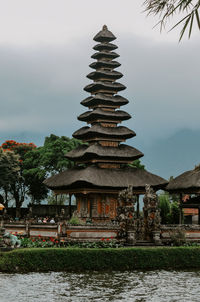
(165, 157)
(173, 155)
(23, 137)
(29, 137)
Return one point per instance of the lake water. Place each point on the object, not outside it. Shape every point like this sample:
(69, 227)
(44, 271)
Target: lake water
(151, 286)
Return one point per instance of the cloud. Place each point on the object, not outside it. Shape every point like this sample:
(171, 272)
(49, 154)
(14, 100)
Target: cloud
(37, 22)
(41, 87)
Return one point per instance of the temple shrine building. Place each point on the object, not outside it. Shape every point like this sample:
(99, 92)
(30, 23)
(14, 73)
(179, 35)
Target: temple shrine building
(102, 164)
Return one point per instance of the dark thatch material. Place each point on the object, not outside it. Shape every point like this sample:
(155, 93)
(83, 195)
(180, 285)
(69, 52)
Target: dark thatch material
(187, 181)
(112, 75)
(115, 87)
(104, 178)
(104, 54)
(98, 113)
(101, 99)
(104, 64)
(104, 35)
(105, 46)
(87, 133)
(96, 151)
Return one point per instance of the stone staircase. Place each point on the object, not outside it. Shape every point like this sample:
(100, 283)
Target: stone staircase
(144, 243)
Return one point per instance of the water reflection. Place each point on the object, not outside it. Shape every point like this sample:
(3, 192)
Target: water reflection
(151, 286)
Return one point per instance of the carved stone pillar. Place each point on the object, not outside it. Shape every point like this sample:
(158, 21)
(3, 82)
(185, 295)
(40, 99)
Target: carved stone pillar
(156, 237)
(2, 232)
(131, 238)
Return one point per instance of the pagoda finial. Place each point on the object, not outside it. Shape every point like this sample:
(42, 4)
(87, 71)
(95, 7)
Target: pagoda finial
(104, 35)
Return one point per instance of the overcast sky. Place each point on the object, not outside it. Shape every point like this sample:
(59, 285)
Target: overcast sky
(45, 49)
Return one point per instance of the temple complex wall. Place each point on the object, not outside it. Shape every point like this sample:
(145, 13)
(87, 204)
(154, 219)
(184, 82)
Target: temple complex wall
(192, 232)
(93, 232)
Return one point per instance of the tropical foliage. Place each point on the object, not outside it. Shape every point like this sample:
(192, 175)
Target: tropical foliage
(187, 9)
(52, 153)
(24, 167)
(39, 242)
(9, 172)
(169, 209)
(17, 188)
(137, 164)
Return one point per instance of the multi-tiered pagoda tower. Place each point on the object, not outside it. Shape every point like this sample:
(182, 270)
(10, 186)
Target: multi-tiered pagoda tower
(102, 169)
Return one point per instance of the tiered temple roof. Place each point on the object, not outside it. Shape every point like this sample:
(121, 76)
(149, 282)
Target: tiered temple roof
(105, 157)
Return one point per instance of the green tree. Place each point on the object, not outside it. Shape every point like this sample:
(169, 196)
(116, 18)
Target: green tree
(52, 154)
(34, 175)
(188, 9)
(33, 166)
(60, 199)
(174, 213)
(9, 172)
(169, 206)
(137, 164)
(28, 183)
(164, 205)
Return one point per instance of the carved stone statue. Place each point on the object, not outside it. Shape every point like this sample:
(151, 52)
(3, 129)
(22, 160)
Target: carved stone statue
(11, 240)
(126, 214)
(2, 232)
(30, 213)
(140, 228)
(5, 215)
(151, 213)
(62, 215)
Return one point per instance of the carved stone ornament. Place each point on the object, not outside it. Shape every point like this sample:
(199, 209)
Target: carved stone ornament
(126, 212)
(151, 213)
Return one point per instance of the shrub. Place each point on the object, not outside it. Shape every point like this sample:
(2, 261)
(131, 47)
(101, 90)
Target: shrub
(104, 243)
(76, 259)
(75, 221)
(178, 237)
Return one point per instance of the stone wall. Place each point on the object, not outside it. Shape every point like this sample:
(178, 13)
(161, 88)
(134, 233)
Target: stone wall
(192, 232)
(93, 232)
(64, 231)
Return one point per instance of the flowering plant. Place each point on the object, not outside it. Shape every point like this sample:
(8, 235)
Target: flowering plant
(39, 242)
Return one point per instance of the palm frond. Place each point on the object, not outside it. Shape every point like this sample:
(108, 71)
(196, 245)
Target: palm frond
(167, 8)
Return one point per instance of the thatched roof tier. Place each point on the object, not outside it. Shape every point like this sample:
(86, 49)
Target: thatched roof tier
(187, 182)
(106, 86)
(104, 35)
(105, 74)
(97, 131)
(105, 159)
(105, 55)
(101, 99)
(121, 153)
(105, 64)
(105, 115)
(95, 177)
(105, 46)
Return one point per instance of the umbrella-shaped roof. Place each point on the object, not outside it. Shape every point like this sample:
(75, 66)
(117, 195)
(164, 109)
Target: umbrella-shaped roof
(187, 182)
(93, 176)
(1, 207)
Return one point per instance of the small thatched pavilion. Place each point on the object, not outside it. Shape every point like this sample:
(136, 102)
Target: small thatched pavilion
(187, 183)
(101, 166)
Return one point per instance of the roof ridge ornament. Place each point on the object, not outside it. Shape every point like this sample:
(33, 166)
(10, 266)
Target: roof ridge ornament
(104, 27)
(104, 36)
(197, 168)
